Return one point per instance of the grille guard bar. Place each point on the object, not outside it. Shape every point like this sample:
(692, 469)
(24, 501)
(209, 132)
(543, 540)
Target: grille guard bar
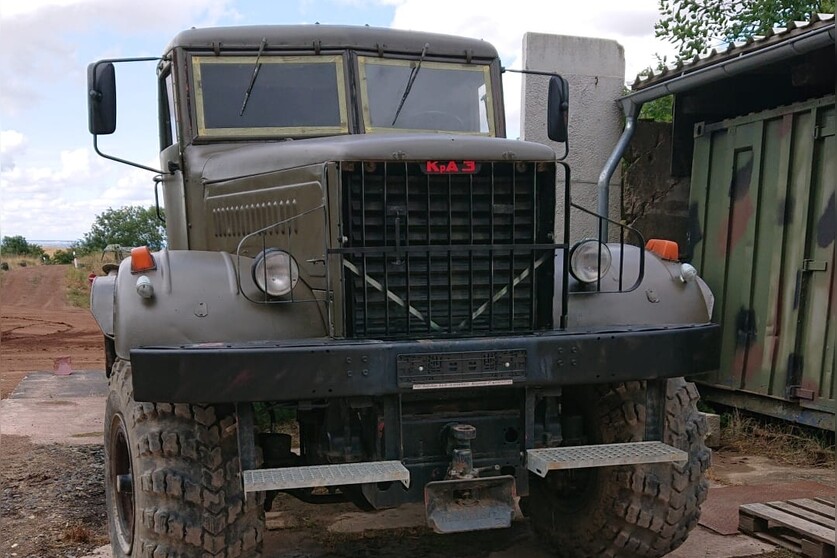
(537, 254)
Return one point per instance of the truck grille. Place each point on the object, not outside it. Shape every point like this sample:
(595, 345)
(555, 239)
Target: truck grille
(444, 255)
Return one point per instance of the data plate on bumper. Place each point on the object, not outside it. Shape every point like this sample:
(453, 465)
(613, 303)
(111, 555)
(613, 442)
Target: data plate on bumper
(461, 370)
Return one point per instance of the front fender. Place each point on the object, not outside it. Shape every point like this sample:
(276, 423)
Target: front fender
(101, 301)
(199, 297)
(662, 298)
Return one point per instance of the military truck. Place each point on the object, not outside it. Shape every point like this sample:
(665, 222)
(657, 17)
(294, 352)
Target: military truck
(353, 243)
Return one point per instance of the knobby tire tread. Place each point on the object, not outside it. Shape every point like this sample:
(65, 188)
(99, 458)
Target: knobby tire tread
(189, 499)
(638, 511)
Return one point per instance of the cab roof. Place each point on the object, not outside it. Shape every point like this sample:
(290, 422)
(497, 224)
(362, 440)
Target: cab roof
(315, 37)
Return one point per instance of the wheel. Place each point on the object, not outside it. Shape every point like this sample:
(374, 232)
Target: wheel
(628, 511)
(172, 482)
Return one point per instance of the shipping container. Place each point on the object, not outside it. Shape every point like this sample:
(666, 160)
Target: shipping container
(761, 233)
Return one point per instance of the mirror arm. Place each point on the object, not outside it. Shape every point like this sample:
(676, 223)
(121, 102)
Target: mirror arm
(530, 72)
(124, 161)
(93, 93)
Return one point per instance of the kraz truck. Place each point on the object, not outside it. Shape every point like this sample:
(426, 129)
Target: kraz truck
(353, 243)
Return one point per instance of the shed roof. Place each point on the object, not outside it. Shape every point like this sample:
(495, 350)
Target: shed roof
(781, 43)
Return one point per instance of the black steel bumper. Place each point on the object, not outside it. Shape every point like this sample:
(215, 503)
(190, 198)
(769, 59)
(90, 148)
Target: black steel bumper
(314, 369)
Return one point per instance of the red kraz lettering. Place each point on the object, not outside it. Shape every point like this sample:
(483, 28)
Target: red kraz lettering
(450, 167)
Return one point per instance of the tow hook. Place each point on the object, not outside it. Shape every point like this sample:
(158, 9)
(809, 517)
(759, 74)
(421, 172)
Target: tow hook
(462, 458)
(464, 501)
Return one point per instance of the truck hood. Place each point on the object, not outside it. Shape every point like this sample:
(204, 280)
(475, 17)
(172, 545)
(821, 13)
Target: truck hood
(233, 161)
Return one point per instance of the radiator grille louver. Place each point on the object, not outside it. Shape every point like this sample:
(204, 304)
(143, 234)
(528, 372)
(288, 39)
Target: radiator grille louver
(436, 255)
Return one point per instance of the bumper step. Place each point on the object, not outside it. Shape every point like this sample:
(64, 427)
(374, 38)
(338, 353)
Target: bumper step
(542, 461)
(312, 476)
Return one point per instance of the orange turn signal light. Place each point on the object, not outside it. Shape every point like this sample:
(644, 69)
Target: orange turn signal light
(142, 260)
(666, 249)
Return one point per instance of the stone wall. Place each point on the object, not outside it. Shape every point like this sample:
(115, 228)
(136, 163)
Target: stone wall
(653, 201)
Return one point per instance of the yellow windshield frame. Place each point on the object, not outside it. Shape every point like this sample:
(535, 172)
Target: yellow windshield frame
(364, 95)
(204, 132)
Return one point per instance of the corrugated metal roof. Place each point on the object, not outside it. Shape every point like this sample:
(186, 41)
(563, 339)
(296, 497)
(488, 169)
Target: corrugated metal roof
(735, 50)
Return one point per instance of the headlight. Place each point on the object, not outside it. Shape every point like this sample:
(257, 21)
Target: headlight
(589, 260)
(275, 272)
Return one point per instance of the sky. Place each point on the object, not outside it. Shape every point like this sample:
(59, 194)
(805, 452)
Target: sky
(52, 184)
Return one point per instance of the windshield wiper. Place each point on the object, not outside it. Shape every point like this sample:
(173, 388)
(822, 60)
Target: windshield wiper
(413, 73)
(256, 69)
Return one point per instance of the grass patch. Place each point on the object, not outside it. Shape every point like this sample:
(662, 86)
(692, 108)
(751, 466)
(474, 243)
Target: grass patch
(78, 285)
(786, 443)
(14, 261)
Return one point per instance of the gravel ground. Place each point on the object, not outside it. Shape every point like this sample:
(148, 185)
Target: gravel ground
(53, 499)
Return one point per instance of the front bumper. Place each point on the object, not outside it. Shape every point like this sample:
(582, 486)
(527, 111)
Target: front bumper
(315, 369)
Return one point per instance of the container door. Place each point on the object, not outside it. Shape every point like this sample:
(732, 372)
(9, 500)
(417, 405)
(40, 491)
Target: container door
(812, 374)
(762, 236)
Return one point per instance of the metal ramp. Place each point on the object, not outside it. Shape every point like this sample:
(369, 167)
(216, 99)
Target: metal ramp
(288, 478)
(542, 461)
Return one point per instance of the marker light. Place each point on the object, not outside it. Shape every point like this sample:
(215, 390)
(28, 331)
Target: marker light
(275, 272)
(144, 287)
(589, 260)
(665, 249)
(687, 272)
(142, 260)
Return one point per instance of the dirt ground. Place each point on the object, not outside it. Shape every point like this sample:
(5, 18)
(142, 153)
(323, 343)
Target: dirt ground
(53, 498)
(38, 326)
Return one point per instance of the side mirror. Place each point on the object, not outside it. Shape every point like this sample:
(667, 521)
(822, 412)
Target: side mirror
(101, 98)
(558, 109)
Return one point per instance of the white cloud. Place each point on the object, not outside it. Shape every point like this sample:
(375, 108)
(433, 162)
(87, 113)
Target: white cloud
(630, 22)
(57, 194)
(61, 201)
(12, 144)
(39, 38)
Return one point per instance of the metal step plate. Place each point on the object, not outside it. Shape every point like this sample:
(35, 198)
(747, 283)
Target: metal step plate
(286, 478)
(542, 461)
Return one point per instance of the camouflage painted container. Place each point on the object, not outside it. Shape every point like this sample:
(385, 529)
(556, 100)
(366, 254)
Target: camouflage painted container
(761, 232)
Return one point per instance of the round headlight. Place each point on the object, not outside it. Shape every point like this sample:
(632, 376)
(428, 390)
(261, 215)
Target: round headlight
(589, 260)
(275, 272)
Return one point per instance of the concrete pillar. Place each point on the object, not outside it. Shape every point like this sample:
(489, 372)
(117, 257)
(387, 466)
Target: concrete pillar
(595, 69)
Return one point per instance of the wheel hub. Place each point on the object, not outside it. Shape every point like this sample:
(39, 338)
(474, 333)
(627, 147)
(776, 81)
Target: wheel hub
(121, 480)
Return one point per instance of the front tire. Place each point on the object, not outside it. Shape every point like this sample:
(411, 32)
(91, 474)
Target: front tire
(628, 511)
(172, 482)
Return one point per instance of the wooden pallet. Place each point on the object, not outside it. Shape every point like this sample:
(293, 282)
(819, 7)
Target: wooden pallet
(804, 526)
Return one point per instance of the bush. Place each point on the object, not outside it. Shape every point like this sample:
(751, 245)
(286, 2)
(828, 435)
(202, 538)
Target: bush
(18, 246)
(62, 257)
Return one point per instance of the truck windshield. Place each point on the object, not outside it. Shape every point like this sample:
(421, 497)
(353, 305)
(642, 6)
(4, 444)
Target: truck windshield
(443, 97)
(292, 96)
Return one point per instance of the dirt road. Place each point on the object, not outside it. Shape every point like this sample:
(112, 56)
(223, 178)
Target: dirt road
(38, 325)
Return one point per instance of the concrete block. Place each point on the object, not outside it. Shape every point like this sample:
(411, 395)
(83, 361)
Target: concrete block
(595, 69)
(713, 431)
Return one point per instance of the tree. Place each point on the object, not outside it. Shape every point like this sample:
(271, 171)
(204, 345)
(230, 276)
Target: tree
(695, 26)
(126, 226)
(18, 246)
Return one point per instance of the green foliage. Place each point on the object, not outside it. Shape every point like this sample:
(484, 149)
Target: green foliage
(18, 246)
(658, 110)
(695, 26)
(62, 257)
(126, 226)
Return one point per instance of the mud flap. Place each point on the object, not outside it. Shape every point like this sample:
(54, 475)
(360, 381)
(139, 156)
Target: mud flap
(454, 506)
